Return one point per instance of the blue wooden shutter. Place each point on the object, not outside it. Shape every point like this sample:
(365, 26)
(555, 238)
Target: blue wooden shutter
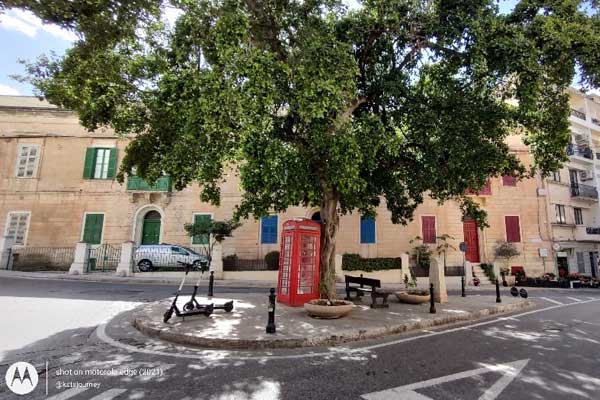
(367, 230)
(268, 230)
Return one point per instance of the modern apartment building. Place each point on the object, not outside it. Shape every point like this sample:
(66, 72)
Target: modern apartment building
(572, 200)
(58, 187)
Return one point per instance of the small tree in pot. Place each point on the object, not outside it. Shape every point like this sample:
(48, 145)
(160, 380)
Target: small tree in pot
(506, 251)
(214, 231)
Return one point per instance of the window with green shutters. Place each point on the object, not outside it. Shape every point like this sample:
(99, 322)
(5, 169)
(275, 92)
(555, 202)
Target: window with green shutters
(201, 239)
(92, 228)
(100, 163)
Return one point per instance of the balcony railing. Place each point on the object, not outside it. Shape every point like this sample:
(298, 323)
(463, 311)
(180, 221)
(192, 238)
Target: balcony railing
(135, 183)
(592, 230)
(581, 151)
(585, 191)
(578, 114)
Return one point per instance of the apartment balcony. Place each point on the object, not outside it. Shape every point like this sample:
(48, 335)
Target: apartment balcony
(587, 234)
(580, 151)
(584, 192)
(137, 184)
(578, 114)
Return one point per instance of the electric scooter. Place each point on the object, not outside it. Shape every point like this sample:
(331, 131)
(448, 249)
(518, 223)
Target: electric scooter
(193, 303)
(202, 309)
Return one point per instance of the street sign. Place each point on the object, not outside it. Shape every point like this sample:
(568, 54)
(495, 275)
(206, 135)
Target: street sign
(463, 247)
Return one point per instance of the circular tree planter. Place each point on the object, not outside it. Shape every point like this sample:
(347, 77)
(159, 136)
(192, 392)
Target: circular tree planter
(413, 296)
(320, 308)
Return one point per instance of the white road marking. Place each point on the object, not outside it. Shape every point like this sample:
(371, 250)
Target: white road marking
(407, 392)
(67, 394)
(550, 300)
(231, 355)
(109, 394)
(574, 299)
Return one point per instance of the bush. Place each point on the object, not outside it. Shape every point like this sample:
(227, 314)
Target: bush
(272, 260)
(488, 270)
(354, 262)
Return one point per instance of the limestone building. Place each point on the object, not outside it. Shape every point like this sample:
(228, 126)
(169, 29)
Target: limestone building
(58, 187)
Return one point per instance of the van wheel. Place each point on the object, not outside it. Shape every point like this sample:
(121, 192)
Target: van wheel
(145, 265)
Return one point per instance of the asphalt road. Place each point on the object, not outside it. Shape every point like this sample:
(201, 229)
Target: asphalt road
(550, 352)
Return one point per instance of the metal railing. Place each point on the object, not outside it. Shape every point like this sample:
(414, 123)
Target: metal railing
(237, 264)
(42, 258)
(592, 230)
(450, 270)
(582, 151)
(104, 258)
(586, 191)
(578, 114)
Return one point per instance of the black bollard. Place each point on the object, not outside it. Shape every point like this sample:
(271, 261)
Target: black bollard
(431, 300)
(498, 300)
(211, 283)
(462, 287)
(271, 308)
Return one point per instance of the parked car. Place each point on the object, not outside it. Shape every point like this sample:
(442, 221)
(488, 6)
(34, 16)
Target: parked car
(148, 257)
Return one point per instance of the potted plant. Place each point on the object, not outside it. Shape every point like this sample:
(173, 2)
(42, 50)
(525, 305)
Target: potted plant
(412, 295)
(327, 308)
(506, 251)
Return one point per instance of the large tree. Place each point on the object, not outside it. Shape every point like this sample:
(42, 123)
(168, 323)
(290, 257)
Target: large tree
(314, 103)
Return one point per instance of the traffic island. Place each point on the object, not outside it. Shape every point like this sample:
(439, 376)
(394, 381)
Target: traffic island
(244, 327)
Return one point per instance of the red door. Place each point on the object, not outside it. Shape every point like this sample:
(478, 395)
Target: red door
(472, 241)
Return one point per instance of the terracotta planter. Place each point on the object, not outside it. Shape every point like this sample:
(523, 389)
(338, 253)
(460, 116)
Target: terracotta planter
(410, 298)
(318, 309)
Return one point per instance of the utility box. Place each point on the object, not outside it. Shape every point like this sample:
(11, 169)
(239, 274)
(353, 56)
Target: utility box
(299, 262)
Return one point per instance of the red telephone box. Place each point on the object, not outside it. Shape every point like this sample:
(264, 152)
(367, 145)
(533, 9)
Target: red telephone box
(299, 262)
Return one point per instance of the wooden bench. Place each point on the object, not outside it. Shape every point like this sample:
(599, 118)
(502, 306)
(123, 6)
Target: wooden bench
(366, 285)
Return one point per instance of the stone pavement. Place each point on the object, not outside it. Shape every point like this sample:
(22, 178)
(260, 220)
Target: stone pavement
(244, 328)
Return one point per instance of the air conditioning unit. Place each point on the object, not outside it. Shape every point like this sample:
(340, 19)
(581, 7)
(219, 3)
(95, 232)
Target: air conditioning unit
(586, 175)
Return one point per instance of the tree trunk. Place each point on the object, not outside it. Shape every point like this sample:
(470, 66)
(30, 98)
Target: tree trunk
(330, 222)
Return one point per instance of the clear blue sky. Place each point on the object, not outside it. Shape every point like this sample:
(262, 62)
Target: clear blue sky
(22, 36)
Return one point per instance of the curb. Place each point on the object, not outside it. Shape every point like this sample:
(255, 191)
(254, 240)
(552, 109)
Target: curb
(158, 330)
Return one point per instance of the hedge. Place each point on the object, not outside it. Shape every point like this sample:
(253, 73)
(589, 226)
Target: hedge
(354, 262)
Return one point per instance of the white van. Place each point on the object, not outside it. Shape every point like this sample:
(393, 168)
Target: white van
(148, 257)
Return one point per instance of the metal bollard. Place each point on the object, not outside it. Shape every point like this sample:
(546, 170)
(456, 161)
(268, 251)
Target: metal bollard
(271, 323)
(431, 300)
(498, 300)
(462, 287)
(504, 283)
(211, 283)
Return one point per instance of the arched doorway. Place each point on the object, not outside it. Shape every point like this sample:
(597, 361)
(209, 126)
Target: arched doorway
(151, 228)
(316, 217)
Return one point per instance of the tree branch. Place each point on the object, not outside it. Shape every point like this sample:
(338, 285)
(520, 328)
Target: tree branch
(347, 113)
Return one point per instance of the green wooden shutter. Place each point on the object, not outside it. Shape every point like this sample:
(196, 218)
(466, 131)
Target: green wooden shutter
(200, 239)
(88, 165)
(92, 230)
(112, 164)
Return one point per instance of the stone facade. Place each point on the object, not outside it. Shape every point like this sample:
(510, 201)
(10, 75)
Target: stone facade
(57, 198)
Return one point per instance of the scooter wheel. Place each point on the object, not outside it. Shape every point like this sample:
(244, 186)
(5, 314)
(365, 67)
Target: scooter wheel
(188, 306)
(228, 307)
(167, 316)
(208, 310)
(514, 291)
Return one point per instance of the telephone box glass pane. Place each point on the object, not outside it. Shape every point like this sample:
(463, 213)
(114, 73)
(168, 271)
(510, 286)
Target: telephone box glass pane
(287, 263)
(306, 271)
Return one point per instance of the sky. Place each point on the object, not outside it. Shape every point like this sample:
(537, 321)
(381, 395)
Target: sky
(24, 36)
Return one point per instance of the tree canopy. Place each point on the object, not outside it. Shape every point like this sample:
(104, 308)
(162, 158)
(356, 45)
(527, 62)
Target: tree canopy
(314, 103)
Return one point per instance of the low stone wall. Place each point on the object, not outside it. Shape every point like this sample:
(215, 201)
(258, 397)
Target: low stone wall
(251, 275)
(385, 276)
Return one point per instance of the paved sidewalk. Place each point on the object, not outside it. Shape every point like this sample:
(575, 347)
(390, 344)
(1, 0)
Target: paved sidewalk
(244, 328)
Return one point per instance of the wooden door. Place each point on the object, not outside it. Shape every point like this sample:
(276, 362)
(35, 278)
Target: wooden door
(151, 232)
(472, 240)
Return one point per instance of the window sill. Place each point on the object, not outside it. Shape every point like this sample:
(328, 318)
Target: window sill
(561, 224)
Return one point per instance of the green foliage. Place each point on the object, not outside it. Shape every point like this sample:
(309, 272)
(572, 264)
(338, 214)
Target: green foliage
(506, 250)
(488, 270)
(272, 260)
(354, 262)
(410, 283)
(218, 230)
(421, 253)
(313, 103)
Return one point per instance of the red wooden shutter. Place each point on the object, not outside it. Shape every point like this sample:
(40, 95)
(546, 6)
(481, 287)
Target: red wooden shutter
(513, 229)
(508, 180)
(428, 226)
